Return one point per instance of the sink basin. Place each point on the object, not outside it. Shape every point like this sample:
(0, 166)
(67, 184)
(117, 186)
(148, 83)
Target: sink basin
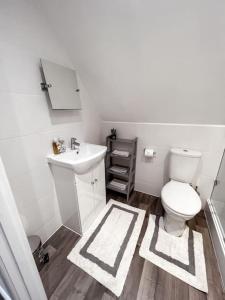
(81, 162)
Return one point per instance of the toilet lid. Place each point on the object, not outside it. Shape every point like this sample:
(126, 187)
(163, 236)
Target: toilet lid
(181, 198)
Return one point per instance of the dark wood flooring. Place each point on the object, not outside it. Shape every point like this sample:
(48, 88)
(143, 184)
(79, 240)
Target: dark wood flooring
(65, 281)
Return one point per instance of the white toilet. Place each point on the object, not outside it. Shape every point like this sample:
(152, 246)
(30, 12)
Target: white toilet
(179, 199)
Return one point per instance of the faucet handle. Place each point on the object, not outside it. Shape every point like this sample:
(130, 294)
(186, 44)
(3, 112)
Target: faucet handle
(72, 143)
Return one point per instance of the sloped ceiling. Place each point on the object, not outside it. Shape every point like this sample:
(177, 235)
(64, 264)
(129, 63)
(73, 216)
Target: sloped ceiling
(145, 60)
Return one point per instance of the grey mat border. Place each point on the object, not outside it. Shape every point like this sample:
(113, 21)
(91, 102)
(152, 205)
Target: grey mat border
(110, 269)
(191, 266)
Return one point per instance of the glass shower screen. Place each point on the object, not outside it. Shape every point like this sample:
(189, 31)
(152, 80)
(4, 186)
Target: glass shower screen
(218, 195)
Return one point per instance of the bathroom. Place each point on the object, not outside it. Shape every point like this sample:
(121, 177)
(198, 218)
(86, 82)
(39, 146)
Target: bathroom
(152, 70)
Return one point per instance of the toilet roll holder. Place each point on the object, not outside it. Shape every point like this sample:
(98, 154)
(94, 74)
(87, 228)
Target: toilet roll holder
(154, 153)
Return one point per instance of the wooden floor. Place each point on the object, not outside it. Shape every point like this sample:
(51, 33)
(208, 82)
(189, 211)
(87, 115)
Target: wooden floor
(65, 281)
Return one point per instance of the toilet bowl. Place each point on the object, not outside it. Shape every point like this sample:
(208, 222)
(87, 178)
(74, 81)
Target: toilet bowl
(181, 203)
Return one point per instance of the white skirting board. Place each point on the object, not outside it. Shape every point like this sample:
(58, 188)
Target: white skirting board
(217, 238)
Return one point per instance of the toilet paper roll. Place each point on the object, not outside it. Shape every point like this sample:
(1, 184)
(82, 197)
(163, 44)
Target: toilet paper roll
(149, 152)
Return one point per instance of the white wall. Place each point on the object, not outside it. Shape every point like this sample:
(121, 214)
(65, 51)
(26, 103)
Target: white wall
(152, 174)
(148, 61)
(27, 123)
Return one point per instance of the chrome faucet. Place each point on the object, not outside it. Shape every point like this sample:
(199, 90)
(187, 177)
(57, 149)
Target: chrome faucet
(74, 145)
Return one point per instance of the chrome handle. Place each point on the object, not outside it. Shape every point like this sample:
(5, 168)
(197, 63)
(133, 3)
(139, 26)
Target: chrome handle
(216, 182)
(45, 86)
(72, 143)
(95, 180)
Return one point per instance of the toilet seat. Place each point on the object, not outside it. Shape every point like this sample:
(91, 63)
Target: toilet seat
(180, 198)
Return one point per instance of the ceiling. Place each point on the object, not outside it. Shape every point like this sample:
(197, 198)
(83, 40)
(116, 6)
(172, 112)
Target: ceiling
(147, 61)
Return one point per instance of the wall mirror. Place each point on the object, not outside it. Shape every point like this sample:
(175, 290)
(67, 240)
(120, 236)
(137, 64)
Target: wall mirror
(61, 84)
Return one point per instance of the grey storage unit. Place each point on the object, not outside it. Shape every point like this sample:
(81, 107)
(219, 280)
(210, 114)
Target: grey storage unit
(129, 162)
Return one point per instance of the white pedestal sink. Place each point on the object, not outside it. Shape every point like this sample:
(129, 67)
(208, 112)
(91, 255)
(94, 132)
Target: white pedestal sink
(80, 185)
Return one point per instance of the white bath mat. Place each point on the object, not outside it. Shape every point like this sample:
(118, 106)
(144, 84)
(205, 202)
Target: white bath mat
(105, 251)
(182, 256)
